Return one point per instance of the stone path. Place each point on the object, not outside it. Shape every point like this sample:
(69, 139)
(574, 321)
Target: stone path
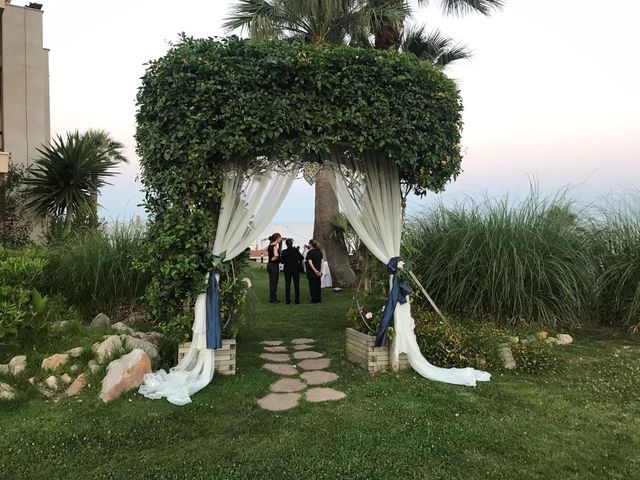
(310, 372)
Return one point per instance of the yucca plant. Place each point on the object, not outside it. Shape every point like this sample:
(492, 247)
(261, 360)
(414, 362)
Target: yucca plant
(524, 262)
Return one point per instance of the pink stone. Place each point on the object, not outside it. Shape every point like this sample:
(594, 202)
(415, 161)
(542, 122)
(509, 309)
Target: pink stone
(318, 377)
(299, 341)
(272, 343)
(275, 357)
(276, 402)
(124, 374)
(324, 394)
(287, 385)
(316, 364)
(76, 386)
(302, 347)
(55, 361)
(275, 349)
(304, 355)
(281, 369)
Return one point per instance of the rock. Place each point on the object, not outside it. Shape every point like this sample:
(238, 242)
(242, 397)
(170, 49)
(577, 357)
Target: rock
(281, 369)
(300, 341)
(76, 352)
(131, 343)
(152, 337)
(514, 339)
(552, 341)
(318, 377)
(287, 385)
(306, 354)
(542, 335)
(106, 348)
(7, 392)
(275, 349)
(275, 357)
(52, 382)
(66, 378)
(93, 366)
(18, 364)
(100, 319)
(507, 358)
(316, 364)
(76, 386)
(324, 394)
(276, 402)
(272, 343)
(564, 339)
(481, 362)
(74, 368)
(122, 328)
(32, 380)
(124, 374)
(4, 368)
(62, 325)
(302, 346)
(54, 362)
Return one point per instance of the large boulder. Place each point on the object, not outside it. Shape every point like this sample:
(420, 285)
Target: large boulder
(75, 352)
(18, 364)
(122, 328)
(508, 361)
(124, 374)
(100, 319)
(131, 343)
(6, 392)
(107, 347)
(76, 386)
(54, 362)
(564, 339)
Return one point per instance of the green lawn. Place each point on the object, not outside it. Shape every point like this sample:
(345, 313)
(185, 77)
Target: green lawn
(580, 423)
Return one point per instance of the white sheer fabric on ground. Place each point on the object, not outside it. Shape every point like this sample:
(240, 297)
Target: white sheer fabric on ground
(248, 206)
(325, 279)
(369, 194)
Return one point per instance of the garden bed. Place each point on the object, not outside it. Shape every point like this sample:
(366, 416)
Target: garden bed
(225, 361)
(361, 350)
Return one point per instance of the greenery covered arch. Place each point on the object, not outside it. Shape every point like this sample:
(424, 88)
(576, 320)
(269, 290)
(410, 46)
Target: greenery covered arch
(210, 102)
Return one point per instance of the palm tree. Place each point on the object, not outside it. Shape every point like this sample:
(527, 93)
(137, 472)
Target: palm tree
(66, 177)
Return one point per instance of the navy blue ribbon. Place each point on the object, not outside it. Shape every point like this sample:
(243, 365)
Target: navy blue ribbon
(398, 294)
(214, 325)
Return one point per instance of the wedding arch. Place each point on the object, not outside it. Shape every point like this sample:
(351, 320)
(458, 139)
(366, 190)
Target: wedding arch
(224, 126)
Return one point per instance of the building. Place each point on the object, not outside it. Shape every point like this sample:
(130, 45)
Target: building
(24, 82)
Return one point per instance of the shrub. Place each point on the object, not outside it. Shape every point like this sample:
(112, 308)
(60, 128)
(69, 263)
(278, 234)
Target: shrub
(95, 270)
(534, 355)
(16, 228)
(524, 262)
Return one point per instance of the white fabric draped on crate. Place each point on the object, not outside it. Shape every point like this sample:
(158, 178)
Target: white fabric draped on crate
(368, 190)
(248, 206)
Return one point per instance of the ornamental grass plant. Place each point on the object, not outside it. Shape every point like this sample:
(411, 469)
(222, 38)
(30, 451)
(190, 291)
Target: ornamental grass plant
(524, 262)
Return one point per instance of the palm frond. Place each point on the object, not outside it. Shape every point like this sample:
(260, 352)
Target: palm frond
(261, 18)
(464, 7)
(434, 46)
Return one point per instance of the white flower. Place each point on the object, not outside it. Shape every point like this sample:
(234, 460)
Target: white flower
(247, 281)
(400, 265)
(369, 316)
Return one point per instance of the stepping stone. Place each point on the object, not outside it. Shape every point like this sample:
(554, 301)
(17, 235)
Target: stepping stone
(272, 343)
(287, 385)
(324, 394)
(281, 369)
(303, 355)
(302, 346)
(276, 402)
(275, 357)
(299, 341)
(318, 377)
(275, 349)
(317, 364)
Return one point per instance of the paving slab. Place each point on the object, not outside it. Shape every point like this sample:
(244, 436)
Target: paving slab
(275, 349)
(272, 343)
(275, 357)
(281, 368)
(299, 341)
(302, 346)
(287, 385)
(276, 402)
(308, 354)
(324, 394)
(318, 377)
(316, 364)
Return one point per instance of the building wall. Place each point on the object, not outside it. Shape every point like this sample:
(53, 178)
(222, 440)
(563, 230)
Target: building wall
(25, 83)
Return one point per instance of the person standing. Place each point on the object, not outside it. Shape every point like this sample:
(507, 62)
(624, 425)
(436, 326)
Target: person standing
(292, 260)
(314, 267)
(273, 266)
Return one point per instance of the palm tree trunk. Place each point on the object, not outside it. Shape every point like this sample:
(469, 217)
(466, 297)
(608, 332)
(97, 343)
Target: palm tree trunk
(331, 243)
(387, 37)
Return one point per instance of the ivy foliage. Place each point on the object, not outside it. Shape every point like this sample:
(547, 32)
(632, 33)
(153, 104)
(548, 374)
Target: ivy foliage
(208, 103)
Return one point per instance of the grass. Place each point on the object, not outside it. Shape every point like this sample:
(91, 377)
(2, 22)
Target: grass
(581, 423)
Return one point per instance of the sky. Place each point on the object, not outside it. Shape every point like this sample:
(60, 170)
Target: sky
(551, 92)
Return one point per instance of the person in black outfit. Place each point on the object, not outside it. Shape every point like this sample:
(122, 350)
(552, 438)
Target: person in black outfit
(273, 266)
(314, 266)
(292, 259)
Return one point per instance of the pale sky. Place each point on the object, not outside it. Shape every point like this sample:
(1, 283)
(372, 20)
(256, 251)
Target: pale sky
(552, 90)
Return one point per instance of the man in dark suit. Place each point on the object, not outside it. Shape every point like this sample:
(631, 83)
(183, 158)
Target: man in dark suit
(292, 259)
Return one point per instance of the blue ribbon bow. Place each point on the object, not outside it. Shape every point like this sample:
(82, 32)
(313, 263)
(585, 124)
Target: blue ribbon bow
(398, 294)
(214, 325)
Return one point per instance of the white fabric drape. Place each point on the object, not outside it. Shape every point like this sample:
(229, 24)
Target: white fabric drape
(325, 280)
(248, 206)
(369, 193)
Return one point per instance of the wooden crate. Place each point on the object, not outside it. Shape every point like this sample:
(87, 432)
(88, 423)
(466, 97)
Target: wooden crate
(361, 350)
(225, 362)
